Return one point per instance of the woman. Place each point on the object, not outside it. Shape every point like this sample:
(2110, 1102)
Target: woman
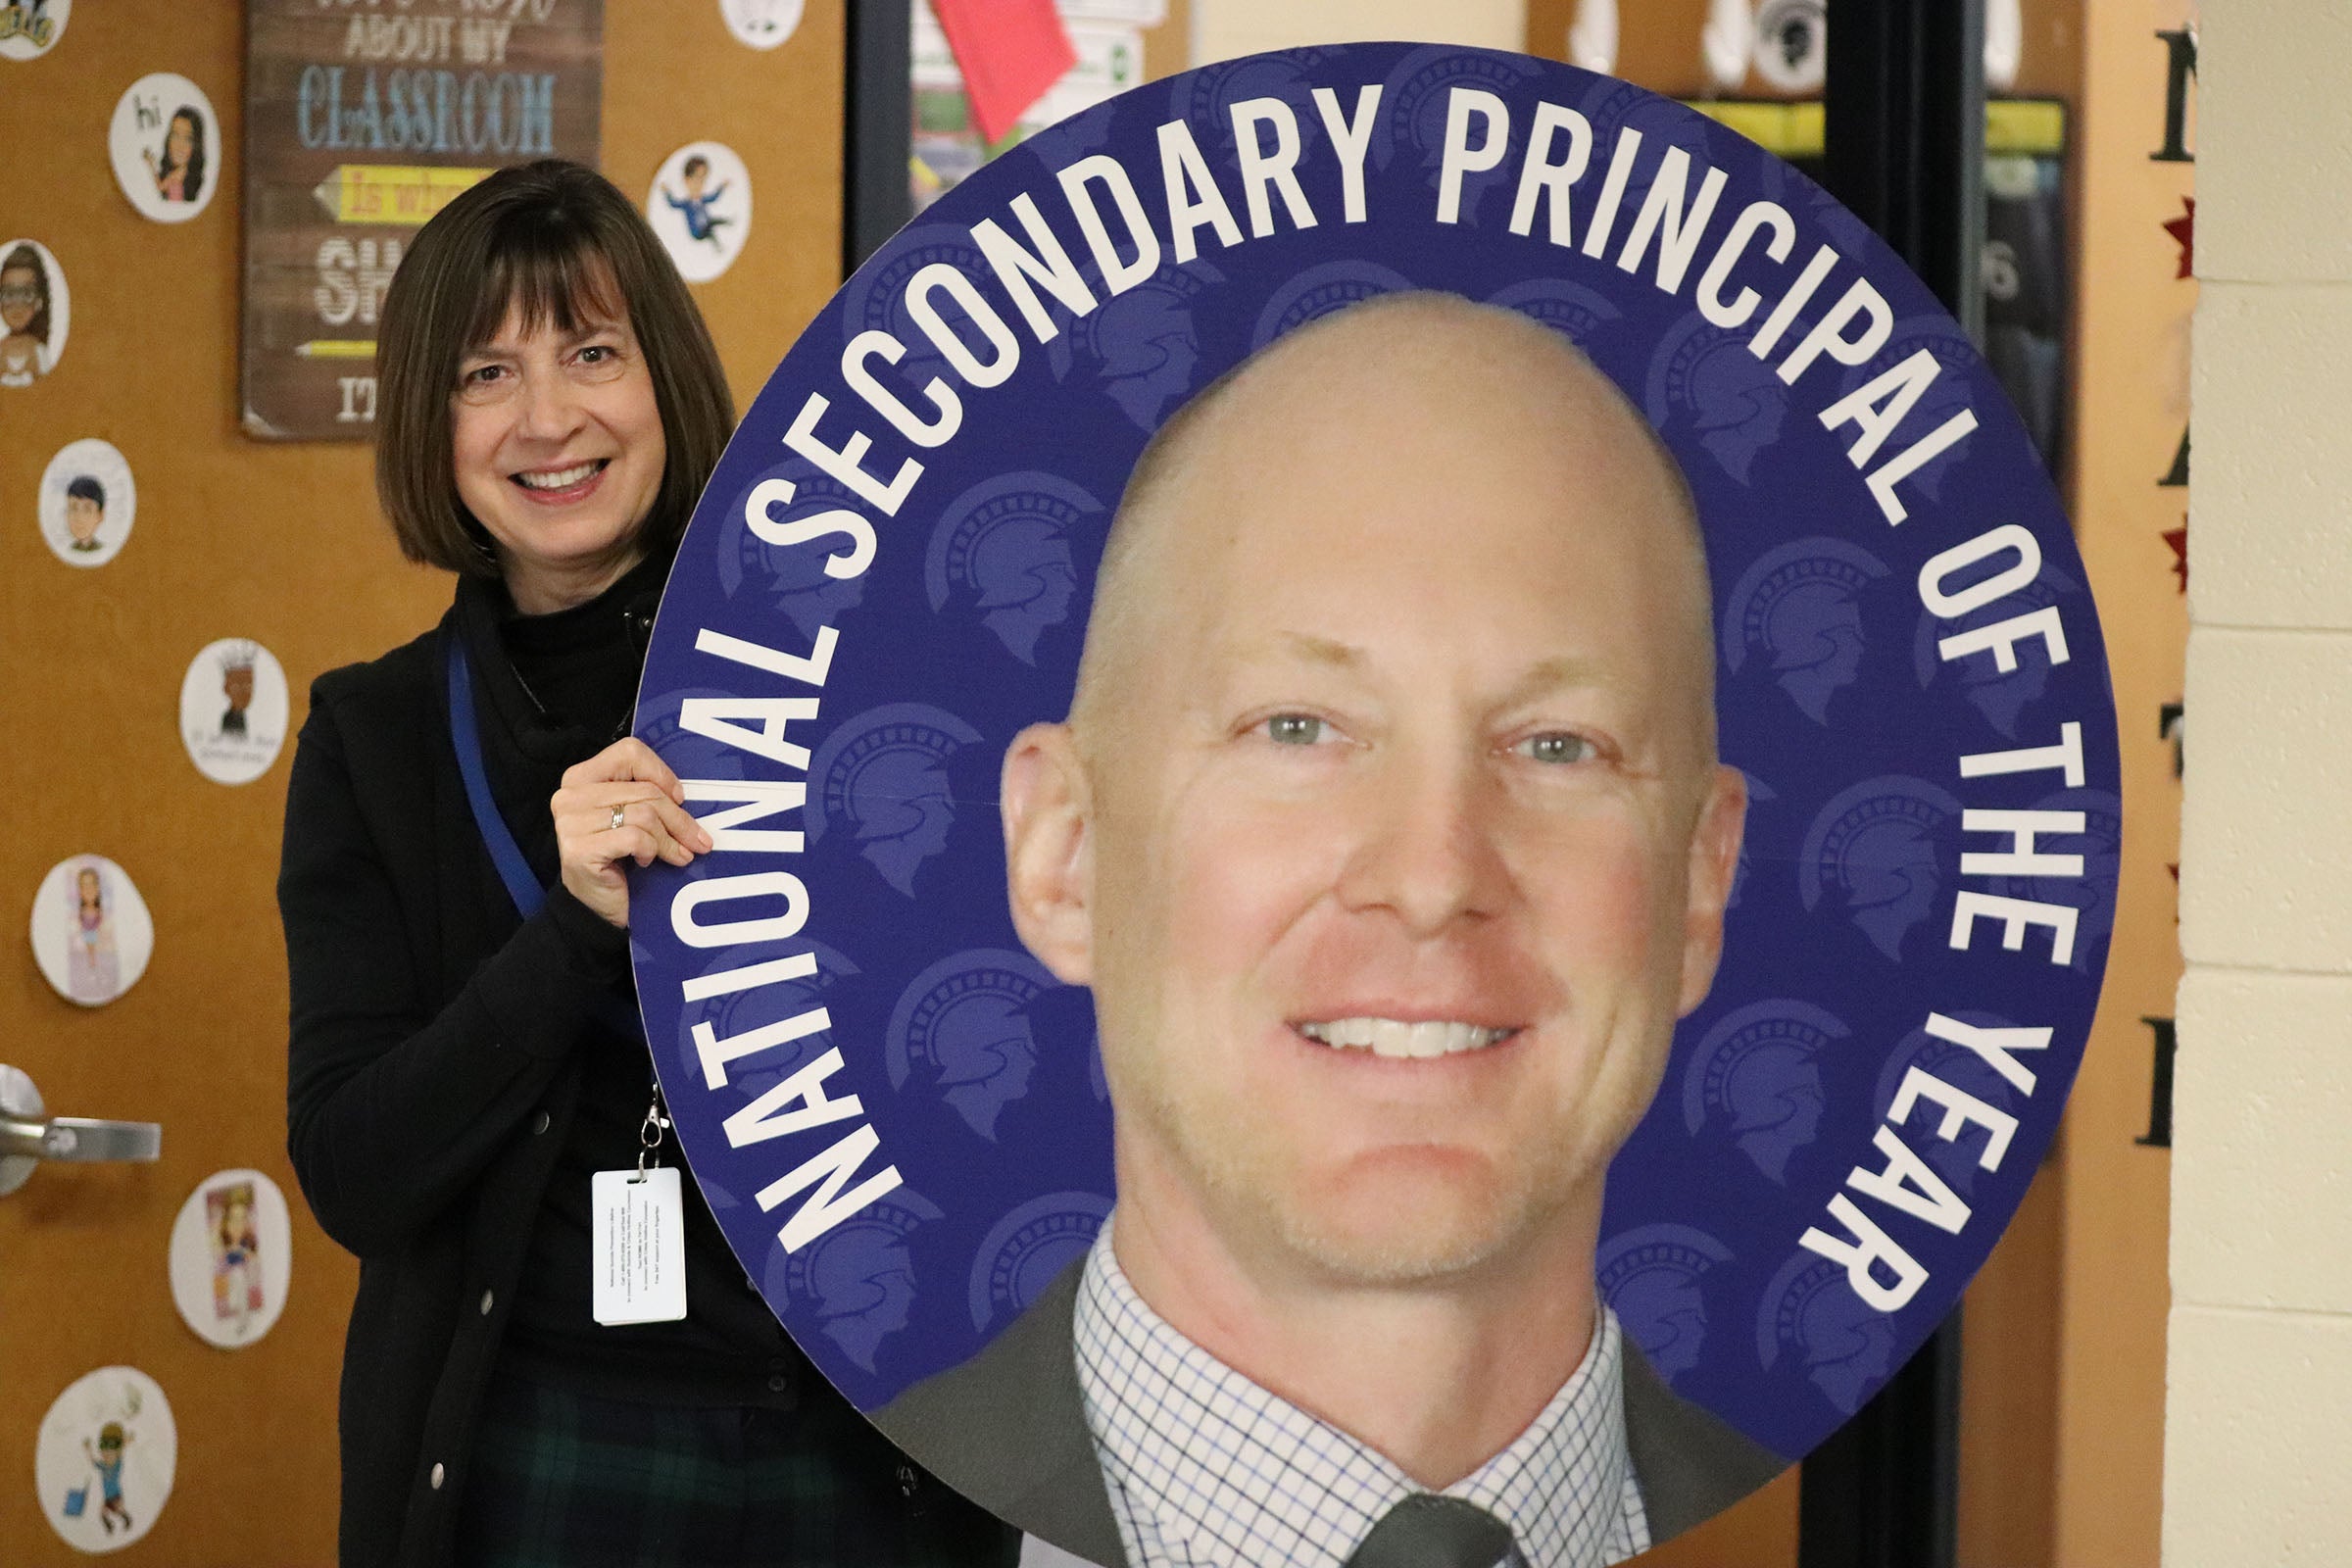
(95, 974)
(25, 315)
(465, 1055)
(179, 177)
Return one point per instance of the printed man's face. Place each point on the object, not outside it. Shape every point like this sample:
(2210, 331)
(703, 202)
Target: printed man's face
(82, 518)
(236, 683)
(1406, 847)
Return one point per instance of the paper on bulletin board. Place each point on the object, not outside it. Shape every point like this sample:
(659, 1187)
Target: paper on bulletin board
(1107, 35)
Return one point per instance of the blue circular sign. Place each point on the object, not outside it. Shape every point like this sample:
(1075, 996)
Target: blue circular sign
(900, 1114)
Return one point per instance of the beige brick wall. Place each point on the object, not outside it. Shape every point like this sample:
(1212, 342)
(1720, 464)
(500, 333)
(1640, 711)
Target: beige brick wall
(2258, 1426)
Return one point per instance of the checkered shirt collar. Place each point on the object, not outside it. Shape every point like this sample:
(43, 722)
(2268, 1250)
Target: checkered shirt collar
(1206, 1467)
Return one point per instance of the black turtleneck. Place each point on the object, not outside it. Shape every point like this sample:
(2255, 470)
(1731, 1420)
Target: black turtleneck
(558, 689)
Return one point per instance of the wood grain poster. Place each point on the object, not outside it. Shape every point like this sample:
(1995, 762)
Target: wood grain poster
(363, 118)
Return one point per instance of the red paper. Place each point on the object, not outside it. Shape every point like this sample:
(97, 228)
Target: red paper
(1009, 51)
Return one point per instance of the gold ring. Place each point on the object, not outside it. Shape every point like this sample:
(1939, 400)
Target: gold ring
(620, 815)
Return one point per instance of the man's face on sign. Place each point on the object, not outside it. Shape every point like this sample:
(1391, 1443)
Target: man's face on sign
(1396, 843)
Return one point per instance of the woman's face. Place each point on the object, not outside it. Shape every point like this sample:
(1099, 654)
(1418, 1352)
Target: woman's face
(559, 452)
(180, 145)
(87, 885)
(20, 297)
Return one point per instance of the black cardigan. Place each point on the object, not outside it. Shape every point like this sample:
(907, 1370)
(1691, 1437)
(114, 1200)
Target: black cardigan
(432, 1076)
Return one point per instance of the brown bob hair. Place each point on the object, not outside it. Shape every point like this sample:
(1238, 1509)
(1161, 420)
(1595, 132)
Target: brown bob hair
(554, 241)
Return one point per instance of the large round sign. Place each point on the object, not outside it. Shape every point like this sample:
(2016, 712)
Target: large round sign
(898, 1107)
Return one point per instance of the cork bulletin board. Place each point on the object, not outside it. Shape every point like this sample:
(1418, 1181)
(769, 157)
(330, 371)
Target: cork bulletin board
(278, 543)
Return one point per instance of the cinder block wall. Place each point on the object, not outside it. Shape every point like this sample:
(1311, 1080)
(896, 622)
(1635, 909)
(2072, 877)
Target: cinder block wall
(2258, 1426)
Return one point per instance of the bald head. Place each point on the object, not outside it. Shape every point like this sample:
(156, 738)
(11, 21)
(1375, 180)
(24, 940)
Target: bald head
(1448, 386)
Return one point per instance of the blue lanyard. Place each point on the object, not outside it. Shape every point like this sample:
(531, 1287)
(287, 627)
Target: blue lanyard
(499, 839)
(504, 854)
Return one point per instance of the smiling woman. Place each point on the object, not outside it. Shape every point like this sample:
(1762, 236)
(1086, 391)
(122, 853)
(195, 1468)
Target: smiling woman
(557, 451)
(465, 1067)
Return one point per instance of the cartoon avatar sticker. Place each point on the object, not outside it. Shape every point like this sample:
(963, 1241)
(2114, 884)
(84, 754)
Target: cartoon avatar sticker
(165, 142)
(87, 502)
(230, 1257)
(30, 28)
(91, 932)
(104, 1462)
(701, 207)
(762, 24)
(35, 310)
(232, 710)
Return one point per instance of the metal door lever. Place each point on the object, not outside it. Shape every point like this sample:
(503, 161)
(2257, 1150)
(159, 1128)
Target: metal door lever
(28, 1137)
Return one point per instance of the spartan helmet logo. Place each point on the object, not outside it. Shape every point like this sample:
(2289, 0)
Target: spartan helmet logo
(739, 1012)
(1757, 1075)
(964, 1021)
(1652, 1278)
(2002, 697)
(1704, 384)
(1946, 396)
(860, 1274)
(1955, 1160)
(1416, 101)
(1320, 290)
(1139, 345)
(803, 591)
(2091, 896)
(1801, 604)
(1026, 1250)
(883, 777)
(1877, 843)
(1205, 97)
(1846, 1347)
(879, 302)
(1007, 544)
(1570, 309)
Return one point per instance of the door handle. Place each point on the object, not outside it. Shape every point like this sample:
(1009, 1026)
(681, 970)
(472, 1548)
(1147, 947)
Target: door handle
(28, 1135)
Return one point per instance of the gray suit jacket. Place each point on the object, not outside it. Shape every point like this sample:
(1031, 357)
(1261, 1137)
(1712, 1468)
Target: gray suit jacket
(1007, 1429)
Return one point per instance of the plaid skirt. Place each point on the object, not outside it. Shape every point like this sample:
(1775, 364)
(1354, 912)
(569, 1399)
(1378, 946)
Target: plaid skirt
(560, 1479)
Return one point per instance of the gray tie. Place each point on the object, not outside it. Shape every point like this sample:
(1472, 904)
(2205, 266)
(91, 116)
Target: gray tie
(1426, 1531)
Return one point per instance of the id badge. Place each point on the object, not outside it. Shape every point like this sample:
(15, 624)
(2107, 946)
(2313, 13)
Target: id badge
(639, 1247)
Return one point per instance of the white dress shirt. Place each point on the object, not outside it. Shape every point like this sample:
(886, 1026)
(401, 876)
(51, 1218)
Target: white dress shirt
(1206, 1469)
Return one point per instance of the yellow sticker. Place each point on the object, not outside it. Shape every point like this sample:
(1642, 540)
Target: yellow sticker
(386, 193)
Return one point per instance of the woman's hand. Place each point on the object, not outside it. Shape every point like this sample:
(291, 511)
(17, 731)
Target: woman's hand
(623, 804)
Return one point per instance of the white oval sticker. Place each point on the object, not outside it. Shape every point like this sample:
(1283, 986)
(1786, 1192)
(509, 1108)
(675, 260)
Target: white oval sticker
(87, 502)
(104, 1463)
(232, 710)
(232, 1258)
(91, 932)
(166, 145)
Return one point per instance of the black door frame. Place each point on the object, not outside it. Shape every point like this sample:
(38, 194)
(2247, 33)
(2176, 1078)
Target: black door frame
(1903, 131)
